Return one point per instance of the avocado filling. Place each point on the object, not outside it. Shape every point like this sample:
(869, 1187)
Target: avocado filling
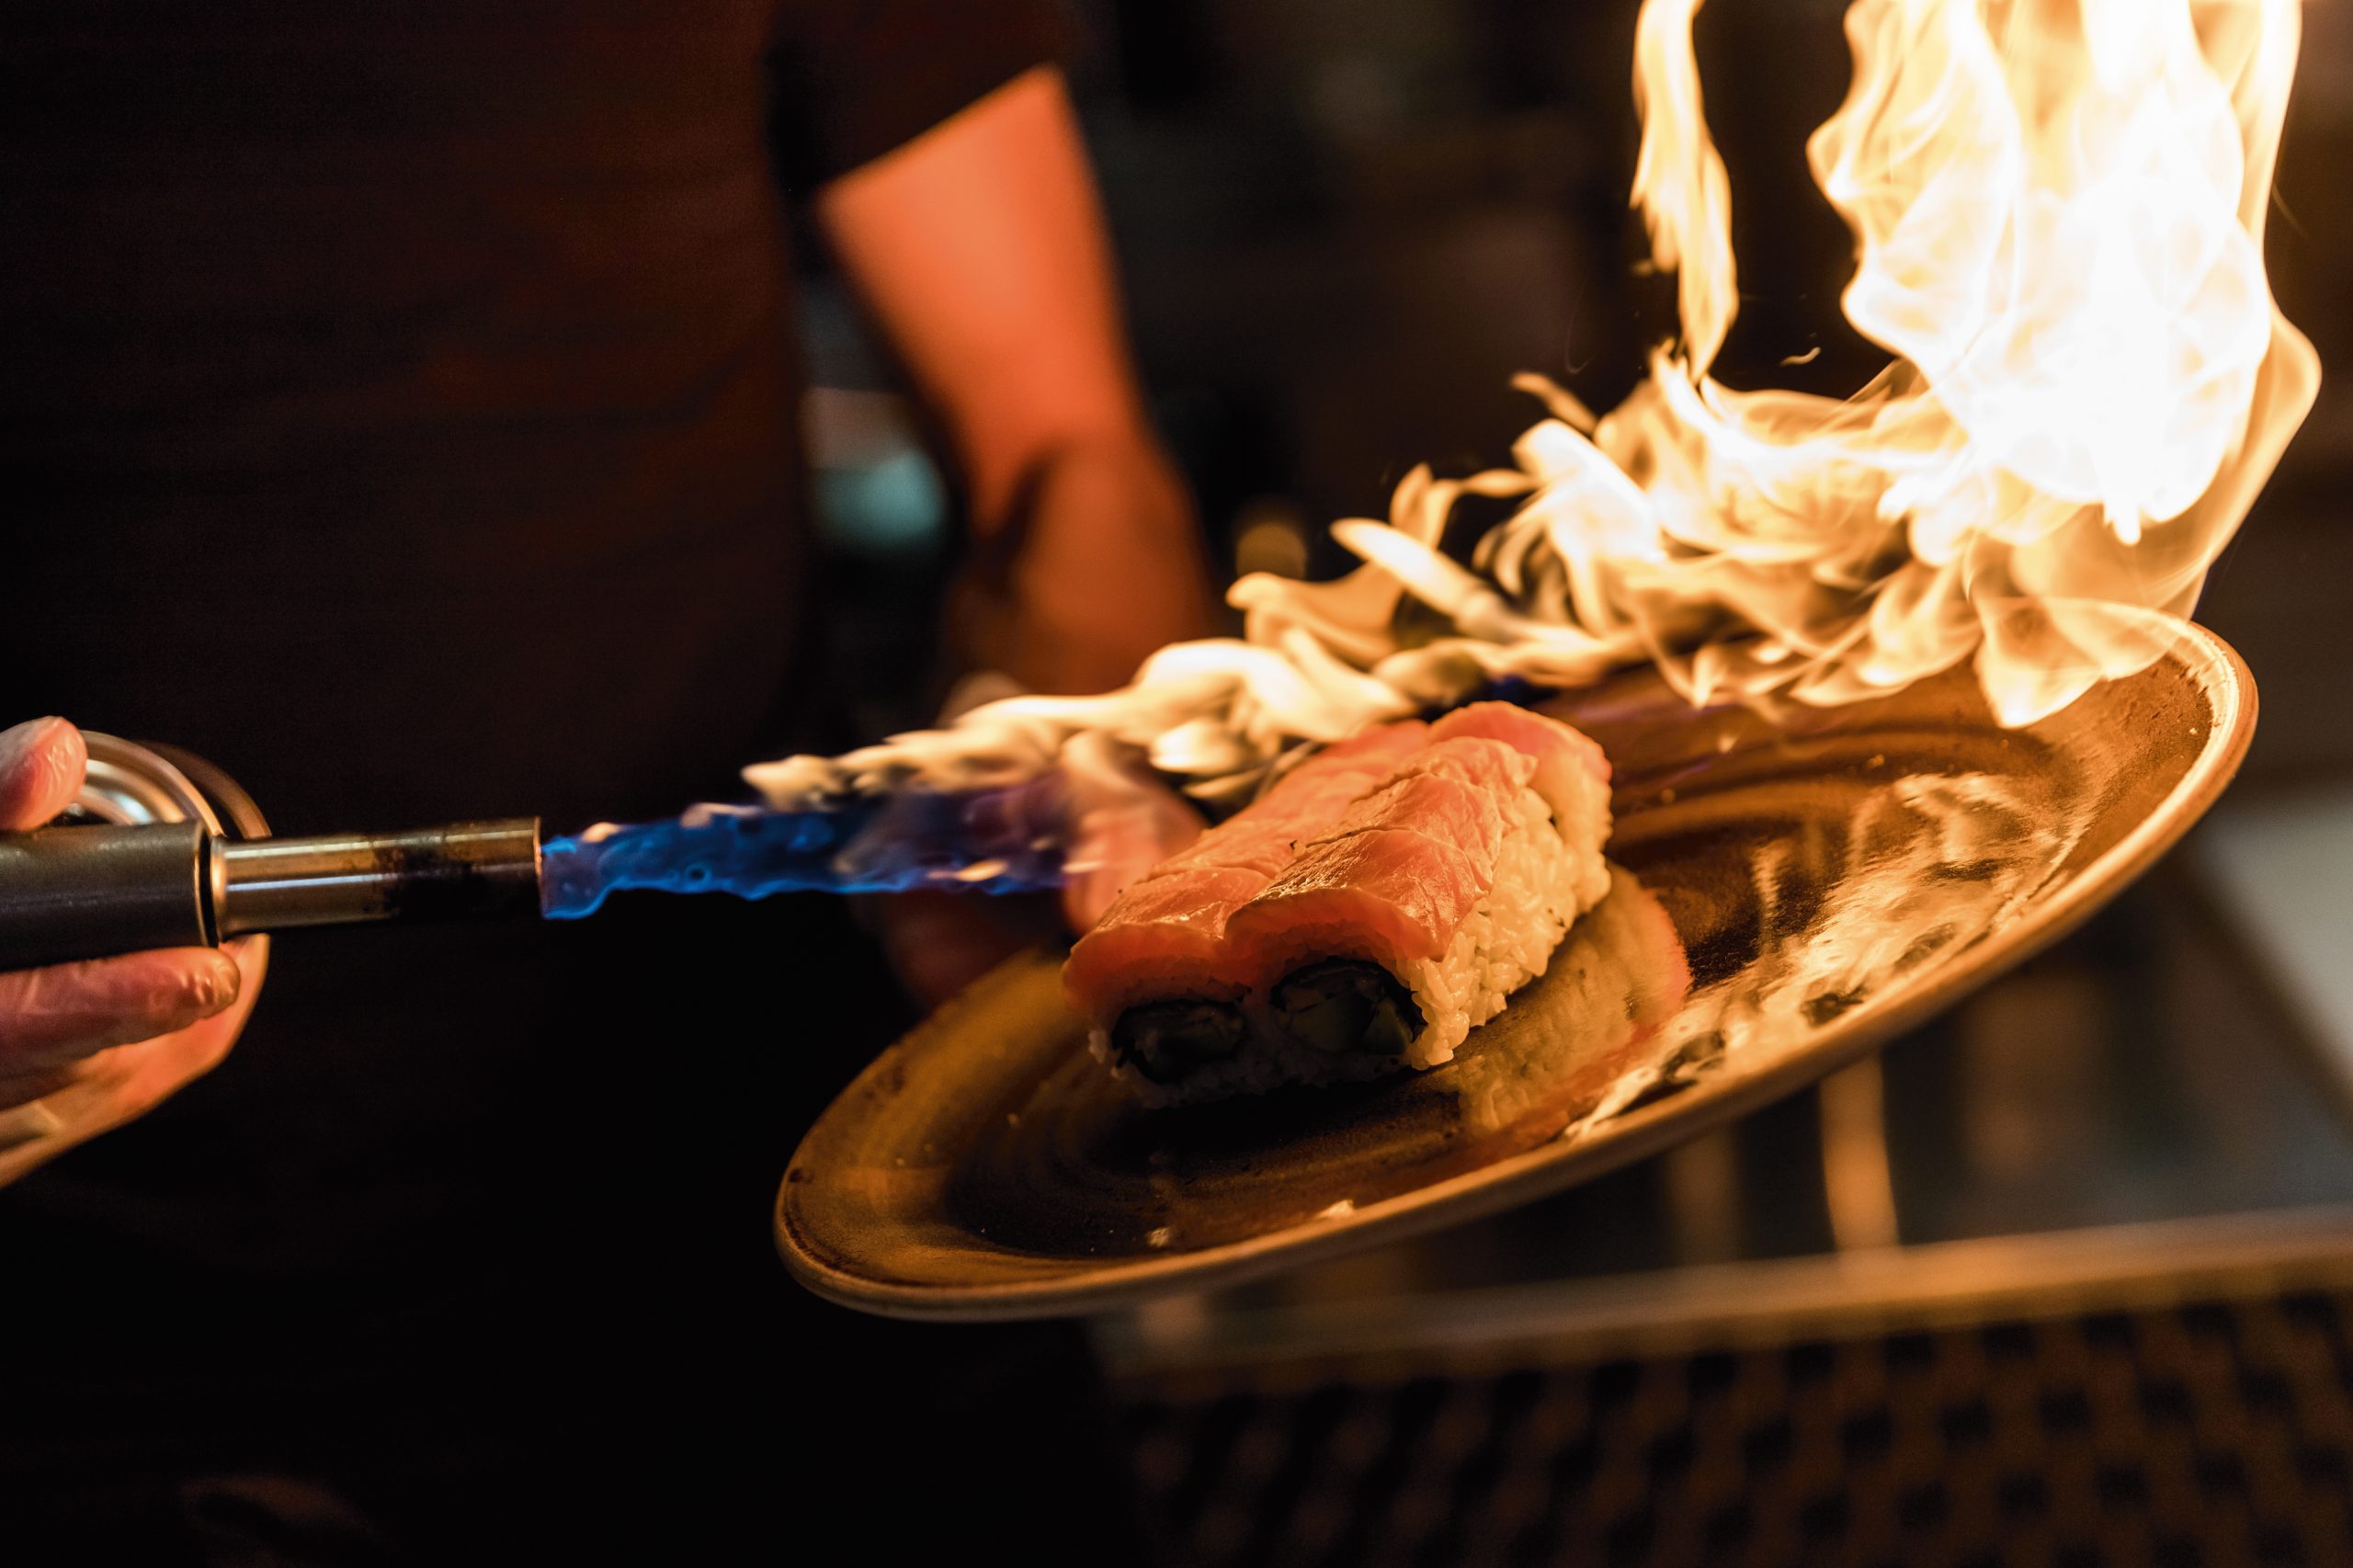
(1341, 1005)
(1166, 1041)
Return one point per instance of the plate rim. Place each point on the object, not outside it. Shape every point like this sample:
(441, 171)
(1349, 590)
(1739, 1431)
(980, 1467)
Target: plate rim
(2221, 675)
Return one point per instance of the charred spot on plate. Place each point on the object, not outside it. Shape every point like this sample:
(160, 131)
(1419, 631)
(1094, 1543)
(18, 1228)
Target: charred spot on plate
(1166, 1041)
(1339, 1006)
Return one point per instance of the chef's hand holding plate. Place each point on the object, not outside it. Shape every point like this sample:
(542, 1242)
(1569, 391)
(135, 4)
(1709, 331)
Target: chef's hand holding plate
(86, 1047)
(1118, 822)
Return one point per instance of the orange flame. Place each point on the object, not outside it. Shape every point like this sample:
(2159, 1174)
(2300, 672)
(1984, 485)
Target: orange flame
(2058, 208)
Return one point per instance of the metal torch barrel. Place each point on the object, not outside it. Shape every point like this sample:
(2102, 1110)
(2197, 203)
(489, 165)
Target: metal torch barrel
(73, 893)
(163, 850)
(469, 871)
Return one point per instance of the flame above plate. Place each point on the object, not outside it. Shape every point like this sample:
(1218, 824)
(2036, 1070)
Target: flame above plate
(2058, 208)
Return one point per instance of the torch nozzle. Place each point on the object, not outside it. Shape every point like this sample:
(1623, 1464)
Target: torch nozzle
(87, 892)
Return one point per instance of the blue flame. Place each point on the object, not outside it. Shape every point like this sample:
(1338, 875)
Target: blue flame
(1005, 840)
(996, 841)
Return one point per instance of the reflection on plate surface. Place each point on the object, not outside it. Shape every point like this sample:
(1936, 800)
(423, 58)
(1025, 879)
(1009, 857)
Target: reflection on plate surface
(1785, 897)
(1077, 1165)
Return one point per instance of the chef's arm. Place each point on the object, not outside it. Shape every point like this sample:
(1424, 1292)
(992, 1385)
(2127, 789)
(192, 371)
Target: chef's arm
(980, 247)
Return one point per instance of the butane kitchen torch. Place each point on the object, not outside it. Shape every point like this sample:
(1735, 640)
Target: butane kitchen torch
(164, 850)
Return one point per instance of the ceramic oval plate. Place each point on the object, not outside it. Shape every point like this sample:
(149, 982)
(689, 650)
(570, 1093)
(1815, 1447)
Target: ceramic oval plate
(1786, 897)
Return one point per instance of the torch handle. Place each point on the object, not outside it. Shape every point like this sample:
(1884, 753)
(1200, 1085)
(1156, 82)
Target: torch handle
(89, 892)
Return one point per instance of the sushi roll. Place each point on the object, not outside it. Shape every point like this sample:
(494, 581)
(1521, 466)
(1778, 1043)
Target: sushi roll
(1364, 918)
(1163, 988)
(1430, 902)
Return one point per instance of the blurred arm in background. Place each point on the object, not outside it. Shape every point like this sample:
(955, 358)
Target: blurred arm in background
(980, 247)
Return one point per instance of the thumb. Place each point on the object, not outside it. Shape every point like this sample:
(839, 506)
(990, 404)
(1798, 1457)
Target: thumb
(1123, 822)
(941, 942)
(42, 764)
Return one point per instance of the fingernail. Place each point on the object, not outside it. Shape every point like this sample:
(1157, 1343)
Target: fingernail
(217, 983)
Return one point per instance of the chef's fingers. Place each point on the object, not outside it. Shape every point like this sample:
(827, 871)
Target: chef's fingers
(941, 942)
(41, 771)
(1115, 836)
(23, 1088)
(62, 1107)
(50, 1016)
